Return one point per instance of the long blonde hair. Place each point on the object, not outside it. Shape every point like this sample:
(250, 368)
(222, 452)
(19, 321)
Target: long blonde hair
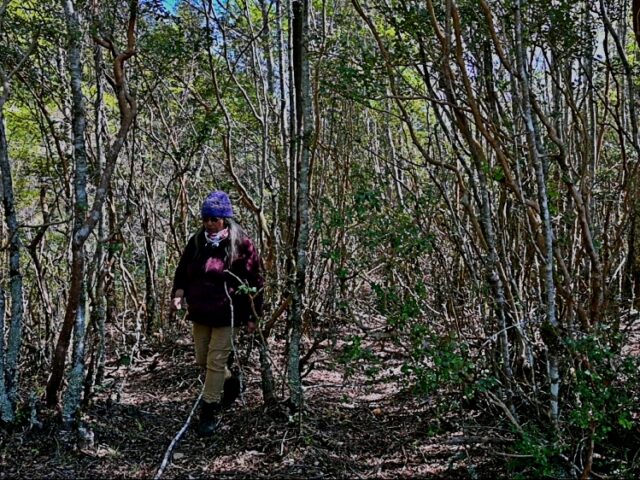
(236, 238)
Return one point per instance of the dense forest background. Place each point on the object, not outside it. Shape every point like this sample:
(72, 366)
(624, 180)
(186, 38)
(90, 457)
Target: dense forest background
(448, 188)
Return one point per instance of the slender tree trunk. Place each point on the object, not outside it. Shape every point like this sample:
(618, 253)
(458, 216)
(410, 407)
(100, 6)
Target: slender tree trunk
(266, 373)
(284, 104)
(534, 146)
(9, 363)
(149, 276)
(85, 220)
(305, 133)
(99, 312)
(294, 113)
(10, 354)
(392, 158)
(274, 117)
(74, 33)
(6, 409)
(632, 281)
(635, 13)
(73, 394)
(42, 275)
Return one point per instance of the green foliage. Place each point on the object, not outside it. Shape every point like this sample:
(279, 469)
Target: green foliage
(353, 80)
(354, 69)
(355, 356)
(601, 395)
(606, 388)
(246, 289)
(24, 140)
(163, 44)
(538, 458)
(495, 172)
(435, 361)
(438, 362)
(393, 302)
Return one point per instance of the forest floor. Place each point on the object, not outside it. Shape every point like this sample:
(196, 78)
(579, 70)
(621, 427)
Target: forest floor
(353, 427)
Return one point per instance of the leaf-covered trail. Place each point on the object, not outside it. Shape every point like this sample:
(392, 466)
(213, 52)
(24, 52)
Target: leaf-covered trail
(350, 429)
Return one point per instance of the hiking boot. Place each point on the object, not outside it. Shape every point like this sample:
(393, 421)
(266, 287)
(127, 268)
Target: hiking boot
(208, 416)
(232, 388)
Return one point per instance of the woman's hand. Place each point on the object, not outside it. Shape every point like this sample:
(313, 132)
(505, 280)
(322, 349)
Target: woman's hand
(176, 303)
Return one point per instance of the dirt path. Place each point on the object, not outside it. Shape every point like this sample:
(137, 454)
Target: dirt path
(353, 429)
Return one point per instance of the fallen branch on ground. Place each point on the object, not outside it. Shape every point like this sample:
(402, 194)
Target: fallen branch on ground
(176, 439)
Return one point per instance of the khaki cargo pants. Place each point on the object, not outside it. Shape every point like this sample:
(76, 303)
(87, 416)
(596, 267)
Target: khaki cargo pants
(212, 348)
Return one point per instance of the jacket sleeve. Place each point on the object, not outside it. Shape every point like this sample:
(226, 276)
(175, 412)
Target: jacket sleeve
(181, 278)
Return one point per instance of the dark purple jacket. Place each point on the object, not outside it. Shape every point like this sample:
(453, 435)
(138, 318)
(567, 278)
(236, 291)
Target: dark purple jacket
(201, 274)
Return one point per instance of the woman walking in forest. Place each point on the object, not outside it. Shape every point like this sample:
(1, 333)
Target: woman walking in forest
(219, 277)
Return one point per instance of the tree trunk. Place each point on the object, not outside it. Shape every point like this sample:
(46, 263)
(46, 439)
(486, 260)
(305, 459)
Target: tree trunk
(635, 9)
(99, 313)
(534, 147)
(9, 363)
(74, 33)
(85, 220)
(73, 394)
(632, 281)
(6, 409)
(304, 133)
(266, 373)
(149, 276)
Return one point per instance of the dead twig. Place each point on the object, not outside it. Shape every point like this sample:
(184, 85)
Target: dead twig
(496, 401)
(176, 439)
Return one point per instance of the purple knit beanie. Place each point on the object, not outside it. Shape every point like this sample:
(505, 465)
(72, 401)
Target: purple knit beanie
(217, 204)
